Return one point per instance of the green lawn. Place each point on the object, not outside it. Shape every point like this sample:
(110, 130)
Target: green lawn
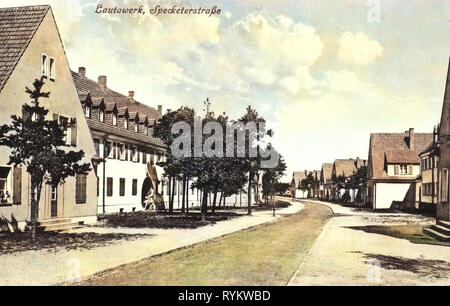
(412, 232)
(265, 255)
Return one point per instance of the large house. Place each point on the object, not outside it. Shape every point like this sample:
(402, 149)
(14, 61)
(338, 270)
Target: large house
(394, 168)
(31, 48)
(121, 131)
(443, 207)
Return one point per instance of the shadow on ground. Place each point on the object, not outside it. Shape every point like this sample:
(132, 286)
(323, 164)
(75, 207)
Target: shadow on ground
(425, 268)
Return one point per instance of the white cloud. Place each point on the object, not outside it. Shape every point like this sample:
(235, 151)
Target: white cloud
(358, 49)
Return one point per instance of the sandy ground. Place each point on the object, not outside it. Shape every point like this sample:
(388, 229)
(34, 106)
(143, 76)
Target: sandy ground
(45, 267)
(344, 256)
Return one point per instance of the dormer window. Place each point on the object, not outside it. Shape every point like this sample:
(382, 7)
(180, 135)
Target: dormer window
(87, 110)
(146, 129)
(101, 115)
(136, 125)
(114, 119)
(44, 65)
(125, 123)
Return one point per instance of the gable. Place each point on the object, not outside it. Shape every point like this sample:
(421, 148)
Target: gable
(445, 116)
(63, 98)
(17, 28)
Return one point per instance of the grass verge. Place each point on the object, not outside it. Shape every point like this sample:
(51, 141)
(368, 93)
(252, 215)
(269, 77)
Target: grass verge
(265, 255)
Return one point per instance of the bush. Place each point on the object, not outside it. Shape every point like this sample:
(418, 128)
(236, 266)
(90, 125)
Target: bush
(346, 197)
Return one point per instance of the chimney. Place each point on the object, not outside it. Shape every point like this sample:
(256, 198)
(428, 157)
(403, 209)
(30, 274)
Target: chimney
(411, 138)
(131, 95)
(436, 133)
(82, 72)
(160, 109)
(102, 81)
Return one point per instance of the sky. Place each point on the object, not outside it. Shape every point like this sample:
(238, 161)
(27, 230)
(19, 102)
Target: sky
(323, 73)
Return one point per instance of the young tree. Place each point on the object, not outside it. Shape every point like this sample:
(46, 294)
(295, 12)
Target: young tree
(38, 144)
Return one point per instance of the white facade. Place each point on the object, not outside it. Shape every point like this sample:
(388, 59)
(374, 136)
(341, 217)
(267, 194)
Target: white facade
(386, 193)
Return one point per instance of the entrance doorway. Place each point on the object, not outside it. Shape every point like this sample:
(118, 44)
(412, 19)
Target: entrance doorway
(146, 187)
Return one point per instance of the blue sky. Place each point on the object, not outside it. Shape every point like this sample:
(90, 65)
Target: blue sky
(321, 72)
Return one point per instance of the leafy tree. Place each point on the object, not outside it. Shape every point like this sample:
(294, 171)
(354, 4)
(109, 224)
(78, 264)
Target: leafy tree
(270, 179)
(39, 145)
(251, 115)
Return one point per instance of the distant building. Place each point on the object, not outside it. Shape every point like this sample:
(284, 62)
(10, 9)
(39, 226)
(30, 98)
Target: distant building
(344, 168)
(394, 168)
(31, 48)
(297, 178)
(325, 181)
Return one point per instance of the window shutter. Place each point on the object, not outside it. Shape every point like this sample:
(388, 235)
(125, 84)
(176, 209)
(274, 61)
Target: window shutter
(396, 169)
(73, 131)
(17, 185)
(410, 169)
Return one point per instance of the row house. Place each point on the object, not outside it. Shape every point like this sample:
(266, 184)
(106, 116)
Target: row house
(427, 187)
(121, 130)
(394, 168)
(297, 178)
(441, 151)
(31, 48)
(325, 181)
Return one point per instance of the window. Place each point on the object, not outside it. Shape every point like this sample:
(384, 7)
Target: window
(136, 125)
(88, 110)
(98, 186)
(122, 151)
(109, 186)
(122, 187)
(144, 157)
(134, 188)
(53, 194)
(52, 69)
(114, 119)
(101, 115)
(134, 154)
(5, 185)
(444, 186)
(97, 145)
(403, 169)
(80, 188)
(125, 123)
(108, 149)
(146, 129)
(44, 65)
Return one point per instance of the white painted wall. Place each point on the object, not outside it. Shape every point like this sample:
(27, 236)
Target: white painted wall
(386, 193)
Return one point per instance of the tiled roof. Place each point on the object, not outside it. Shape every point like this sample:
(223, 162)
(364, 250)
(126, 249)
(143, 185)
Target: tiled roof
(110, 129)
(327, 169)
(406, 157)
(110, 97)
(345, 167)
(297, 177)
(394, 145)
(17, 27)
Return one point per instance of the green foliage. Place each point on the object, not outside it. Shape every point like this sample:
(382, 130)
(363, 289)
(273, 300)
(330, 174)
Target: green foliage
(38, 144)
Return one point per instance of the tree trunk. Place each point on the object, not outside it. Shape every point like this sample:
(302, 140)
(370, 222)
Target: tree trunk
(183, 199)
(214, 202)
(187, 197)
(249, 192)
(220, 199)
(204, 205)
